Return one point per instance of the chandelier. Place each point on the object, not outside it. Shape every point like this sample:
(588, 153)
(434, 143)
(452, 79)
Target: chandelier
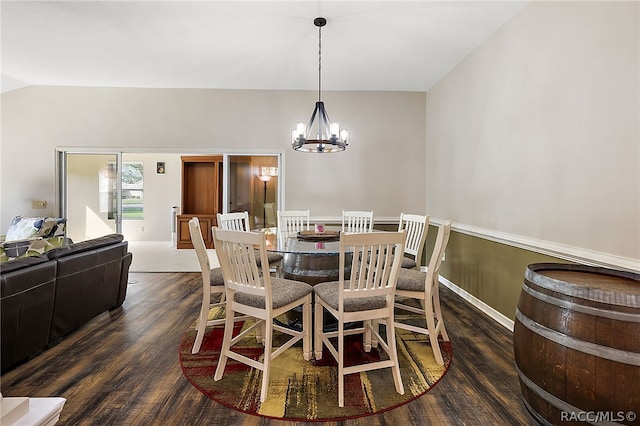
(320, 135)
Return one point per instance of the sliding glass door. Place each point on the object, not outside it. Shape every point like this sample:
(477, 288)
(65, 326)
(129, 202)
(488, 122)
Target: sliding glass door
(138, 194)
(253, 186)
(91, 192)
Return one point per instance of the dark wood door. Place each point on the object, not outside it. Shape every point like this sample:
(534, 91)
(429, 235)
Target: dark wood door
(201, 196)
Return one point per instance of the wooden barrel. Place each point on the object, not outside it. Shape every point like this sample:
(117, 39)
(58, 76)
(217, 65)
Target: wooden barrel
(576, 343)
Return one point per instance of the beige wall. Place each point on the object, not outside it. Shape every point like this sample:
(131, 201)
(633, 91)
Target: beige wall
(534, 140)
(536, 133)
(161, 193)
(387, 140)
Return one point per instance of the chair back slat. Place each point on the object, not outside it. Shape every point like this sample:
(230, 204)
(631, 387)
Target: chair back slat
(357, 221)
(236, 253)
(376, 259)
(201, 250)
(417, 227)
(237, 221)
(290, 221)
(440, 246)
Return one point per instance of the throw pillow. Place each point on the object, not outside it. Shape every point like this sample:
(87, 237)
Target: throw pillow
(22, 228)
(52, 227)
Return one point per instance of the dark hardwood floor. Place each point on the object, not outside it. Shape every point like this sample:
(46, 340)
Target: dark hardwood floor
(122, 368)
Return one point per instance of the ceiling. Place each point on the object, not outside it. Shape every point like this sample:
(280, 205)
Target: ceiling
(388, 46)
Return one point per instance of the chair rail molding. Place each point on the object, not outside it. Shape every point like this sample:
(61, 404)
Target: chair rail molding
(561, 251)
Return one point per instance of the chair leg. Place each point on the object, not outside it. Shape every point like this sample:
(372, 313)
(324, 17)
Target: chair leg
(260, 333)
(367, 334)
(266, 365)
(201, 327)
(306, 329)
(440, 322)
(393, 355)
(376, 326)
(226, 343)
(317, 330)
(340, 364)
(433, 332)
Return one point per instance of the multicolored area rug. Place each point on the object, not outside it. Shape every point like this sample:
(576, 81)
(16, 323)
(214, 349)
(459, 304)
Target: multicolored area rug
(302, 390)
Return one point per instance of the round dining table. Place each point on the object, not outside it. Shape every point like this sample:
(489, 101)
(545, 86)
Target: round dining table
(307, 256)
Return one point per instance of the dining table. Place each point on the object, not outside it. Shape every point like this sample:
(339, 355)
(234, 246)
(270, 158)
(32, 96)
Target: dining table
(309, 256)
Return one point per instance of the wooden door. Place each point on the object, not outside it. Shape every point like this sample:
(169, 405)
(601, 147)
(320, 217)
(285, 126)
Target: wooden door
(201, 196)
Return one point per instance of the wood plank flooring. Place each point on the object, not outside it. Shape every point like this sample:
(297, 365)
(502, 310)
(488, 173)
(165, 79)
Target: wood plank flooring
(122, 368)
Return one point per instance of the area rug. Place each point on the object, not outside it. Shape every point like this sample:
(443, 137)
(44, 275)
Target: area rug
(302, 390)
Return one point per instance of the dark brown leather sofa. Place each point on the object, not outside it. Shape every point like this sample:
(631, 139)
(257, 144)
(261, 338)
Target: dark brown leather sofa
(43, 298)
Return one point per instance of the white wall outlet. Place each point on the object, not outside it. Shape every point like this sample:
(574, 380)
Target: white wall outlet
(38, 204)
(443, 256)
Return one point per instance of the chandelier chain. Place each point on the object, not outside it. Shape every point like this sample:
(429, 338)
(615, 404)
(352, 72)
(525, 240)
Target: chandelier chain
(319, 62)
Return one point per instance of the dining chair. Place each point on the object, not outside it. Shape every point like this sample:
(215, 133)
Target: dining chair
(212, 284)
(357, 221)
(366, 295)
(417, 227)
(255, 293)
(424, 287)
(236, 221)
(293, 221)
(239, 221)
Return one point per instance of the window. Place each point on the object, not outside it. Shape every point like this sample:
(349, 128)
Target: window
(132, 190)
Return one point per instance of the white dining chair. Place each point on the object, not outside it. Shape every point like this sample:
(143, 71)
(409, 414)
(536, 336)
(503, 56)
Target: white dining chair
(212, 285)
(424, 288)
(235, 221)
(290, 221)
(416, 227)
(239, 221)
(251, 291)
(357, 221)
(365, 295)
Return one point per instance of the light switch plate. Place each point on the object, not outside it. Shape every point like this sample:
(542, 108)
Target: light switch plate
(38, 204)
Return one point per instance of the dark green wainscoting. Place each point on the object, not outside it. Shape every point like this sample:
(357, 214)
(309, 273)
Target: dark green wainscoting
(490, 271)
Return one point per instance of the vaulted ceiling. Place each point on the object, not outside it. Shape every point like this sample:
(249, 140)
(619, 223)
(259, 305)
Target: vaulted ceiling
(389, 45)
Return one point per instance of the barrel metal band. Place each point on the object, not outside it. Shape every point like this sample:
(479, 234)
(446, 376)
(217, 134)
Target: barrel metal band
(552, 399)
(576, 290)
(621, 316)
(536, 416)
(577, 344)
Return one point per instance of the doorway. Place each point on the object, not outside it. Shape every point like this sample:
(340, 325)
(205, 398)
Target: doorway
(97, 199)
(94, 208)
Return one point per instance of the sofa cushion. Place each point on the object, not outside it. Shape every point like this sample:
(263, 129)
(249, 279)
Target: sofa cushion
(84, 246)
(23, 262)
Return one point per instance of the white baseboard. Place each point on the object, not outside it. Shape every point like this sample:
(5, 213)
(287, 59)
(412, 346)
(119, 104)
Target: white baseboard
(501, 319)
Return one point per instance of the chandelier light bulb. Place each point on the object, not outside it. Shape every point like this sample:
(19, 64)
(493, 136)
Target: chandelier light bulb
(335, 129)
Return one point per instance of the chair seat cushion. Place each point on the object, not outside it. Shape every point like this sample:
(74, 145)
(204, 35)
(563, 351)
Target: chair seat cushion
(271, 258)
(408, 263)
(411, 280)
(215, 277)
(283, 292)
(329, 292)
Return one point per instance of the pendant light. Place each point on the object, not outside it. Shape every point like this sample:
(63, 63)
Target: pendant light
(320, 135)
